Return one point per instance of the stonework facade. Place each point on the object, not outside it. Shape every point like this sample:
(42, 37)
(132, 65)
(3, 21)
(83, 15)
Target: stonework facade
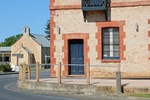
(132, 17)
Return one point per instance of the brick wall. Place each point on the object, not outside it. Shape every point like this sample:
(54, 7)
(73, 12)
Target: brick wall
(134, 45)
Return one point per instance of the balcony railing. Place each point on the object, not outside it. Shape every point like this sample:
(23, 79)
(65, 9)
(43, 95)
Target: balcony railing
(93, 5)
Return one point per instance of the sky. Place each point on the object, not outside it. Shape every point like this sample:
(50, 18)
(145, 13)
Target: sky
(15, 14)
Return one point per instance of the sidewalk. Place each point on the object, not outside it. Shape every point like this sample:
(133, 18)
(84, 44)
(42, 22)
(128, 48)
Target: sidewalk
(101, 82)
(129, 86)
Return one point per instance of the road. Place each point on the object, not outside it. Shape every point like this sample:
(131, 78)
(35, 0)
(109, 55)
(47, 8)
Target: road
(8, 91)
(14, 94)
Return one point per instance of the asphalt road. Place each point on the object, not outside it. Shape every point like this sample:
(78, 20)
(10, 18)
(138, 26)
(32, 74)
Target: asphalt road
(9, 91)
(15, 94)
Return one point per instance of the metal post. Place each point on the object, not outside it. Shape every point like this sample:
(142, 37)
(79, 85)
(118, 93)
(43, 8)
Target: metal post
(45, 59)
(59, 73)
(29, 73)
(37, 72)
(24, 72)
(88, 74)
(118, 80)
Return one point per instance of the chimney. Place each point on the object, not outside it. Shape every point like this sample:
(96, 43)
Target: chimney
(26, 30)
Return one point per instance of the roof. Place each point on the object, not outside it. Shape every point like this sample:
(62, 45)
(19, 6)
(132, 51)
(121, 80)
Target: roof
(27, 50)
(5, 48)
(41, 40)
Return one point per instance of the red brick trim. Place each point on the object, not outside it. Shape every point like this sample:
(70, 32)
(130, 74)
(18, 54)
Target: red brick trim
(52, 2)
(110, 61)
(149, 36)
(65, 7)
(130, 4)
(148, 33)
(113, 4)
(149, 47)
(52, 47)
(66, 37)
(101, 25)
(148, 21)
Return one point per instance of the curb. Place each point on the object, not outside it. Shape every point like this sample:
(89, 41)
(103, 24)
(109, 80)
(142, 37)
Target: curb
(72, 89)
(79, 88)
(7, 73)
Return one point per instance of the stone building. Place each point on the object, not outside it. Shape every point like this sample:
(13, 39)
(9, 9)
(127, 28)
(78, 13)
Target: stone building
(104, 33)
(5, 54)
(30, 48)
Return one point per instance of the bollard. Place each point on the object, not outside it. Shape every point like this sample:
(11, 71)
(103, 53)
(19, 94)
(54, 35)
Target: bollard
(59, 73)
(29, 72)
(88, 74)
(118, 82)
(24, 72)
(20, 72)
(37, 72)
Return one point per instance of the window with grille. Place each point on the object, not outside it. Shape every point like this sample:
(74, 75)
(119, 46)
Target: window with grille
(110, 43)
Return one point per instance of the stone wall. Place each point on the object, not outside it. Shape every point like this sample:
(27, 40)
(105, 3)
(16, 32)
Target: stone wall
(135, 42)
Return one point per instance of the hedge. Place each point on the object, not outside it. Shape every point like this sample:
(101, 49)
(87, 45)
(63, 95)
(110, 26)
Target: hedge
(5, 67)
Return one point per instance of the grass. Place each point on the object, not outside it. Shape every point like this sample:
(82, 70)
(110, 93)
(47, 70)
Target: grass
(141, 95)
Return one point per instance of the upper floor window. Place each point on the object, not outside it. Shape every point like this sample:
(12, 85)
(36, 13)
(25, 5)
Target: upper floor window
(110, 43)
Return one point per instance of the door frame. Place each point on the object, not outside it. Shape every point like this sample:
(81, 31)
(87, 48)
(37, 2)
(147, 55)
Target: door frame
(69, 54)
(66, 38)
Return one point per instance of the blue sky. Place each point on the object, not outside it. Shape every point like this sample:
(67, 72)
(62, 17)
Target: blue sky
(15, 14)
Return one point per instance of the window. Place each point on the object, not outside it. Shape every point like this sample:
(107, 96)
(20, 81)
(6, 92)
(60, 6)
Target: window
(110, 43)
(0, 59)
(6, 59)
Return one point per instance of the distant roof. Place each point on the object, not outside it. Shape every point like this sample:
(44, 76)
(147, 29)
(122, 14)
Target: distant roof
(41, 39)
(27, 50)
(5, 48)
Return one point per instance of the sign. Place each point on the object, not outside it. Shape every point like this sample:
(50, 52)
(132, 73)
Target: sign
(18, 55)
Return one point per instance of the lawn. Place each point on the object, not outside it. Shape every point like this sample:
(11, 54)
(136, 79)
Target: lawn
(141, 95)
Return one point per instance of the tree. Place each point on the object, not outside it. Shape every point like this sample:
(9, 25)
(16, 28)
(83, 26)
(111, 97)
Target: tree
(47, 29)
(10, 40)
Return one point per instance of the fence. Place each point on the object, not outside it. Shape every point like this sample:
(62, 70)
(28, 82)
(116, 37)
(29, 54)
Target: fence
(22, 73)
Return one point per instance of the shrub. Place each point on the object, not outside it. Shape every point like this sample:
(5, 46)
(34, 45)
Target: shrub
(5, 67)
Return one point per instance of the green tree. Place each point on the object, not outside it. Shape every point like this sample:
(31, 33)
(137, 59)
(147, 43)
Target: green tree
(47, 29)
(10, 40)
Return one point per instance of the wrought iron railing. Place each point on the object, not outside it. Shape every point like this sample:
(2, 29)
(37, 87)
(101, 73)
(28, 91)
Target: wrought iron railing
(94, 4)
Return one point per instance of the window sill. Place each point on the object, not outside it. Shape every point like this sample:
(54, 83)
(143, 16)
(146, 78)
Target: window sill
(110, 61)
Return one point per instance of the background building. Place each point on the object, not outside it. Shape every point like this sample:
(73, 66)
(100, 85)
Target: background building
(5, 54)
(30, 48)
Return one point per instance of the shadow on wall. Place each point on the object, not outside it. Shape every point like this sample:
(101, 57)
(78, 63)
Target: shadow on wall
(32, 59)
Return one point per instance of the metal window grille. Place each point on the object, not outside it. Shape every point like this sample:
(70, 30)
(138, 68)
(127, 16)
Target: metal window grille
(110, 43)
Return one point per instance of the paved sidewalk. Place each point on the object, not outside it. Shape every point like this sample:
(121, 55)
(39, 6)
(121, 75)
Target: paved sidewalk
(143, 83)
